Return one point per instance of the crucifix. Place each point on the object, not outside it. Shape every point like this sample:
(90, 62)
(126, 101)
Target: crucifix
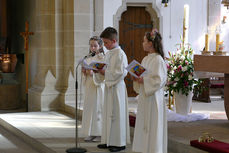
(25, 35)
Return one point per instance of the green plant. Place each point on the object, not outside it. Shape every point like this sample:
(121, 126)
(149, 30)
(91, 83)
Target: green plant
(181, 70)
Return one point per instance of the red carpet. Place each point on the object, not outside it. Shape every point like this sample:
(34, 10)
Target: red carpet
(219, 85)
(213, 147)
(132, 120)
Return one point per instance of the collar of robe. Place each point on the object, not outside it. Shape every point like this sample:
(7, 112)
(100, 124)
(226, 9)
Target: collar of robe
(153, 54)
(117, 47)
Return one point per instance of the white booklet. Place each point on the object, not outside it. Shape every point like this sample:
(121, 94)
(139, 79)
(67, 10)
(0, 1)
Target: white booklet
(136, 69)
(94, 65)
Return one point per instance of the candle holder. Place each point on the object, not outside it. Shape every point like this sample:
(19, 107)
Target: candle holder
(206, 48)
(8, 63)
(217, 38)
(220, 53)
(206, 52)
(217, 42)
(219, 45)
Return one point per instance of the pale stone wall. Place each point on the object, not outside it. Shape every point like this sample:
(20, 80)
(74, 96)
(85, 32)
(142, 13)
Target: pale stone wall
(214, 12)
(88, 21)
(52, 85)
(62, 34)
(225, 28)
(83, 27)
(45, 57)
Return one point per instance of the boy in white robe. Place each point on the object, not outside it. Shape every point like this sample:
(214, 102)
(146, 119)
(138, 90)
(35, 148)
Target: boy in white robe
(150, 135)
(115, 130)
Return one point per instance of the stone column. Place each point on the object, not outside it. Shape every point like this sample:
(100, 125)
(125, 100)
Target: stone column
(42, 95)
(98, 17)
(53, 84)
(83, 25)
(67, 82)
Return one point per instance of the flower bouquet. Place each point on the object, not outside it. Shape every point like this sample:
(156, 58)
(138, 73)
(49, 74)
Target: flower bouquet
(180, 70)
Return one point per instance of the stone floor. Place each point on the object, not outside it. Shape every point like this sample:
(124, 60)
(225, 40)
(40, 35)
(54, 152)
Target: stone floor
(47, 132)
(10, 143)
(54, 132)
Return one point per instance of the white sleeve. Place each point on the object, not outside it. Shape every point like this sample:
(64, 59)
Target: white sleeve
(98, 78)
(156, 78)
(117, 70)
(136, 86)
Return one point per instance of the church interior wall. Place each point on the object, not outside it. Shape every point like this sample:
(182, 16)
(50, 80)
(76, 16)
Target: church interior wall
(110, 9)
(173, 24)
(99, 16)
(52, 54)
(83, 30)
(225, 27)
(19, 12)
(171, 20)
(62, 31)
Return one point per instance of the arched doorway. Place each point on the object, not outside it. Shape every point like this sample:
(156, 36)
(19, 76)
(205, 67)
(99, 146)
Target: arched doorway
(135, 21)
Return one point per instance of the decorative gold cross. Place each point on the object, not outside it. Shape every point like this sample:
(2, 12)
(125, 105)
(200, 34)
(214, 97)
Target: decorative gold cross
(25, 35)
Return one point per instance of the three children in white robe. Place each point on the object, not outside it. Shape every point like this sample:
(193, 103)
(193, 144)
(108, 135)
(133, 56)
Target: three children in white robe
(150, 134)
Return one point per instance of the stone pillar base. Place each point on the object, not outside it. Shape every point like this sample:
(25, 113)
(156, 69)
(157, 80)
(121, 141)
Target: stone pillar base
(39, 100)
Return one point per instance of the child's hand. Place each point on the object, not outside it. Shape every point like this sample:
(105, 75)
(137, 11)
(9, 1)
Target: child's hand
(83, 71)
(95, 71)
(140, 80)
(133, 78)
(89, 72)
(101, 71)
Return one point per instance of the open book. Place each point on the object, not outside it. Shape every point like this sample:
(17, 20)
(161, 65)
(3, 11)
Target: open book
(94, 65)
(136, 69)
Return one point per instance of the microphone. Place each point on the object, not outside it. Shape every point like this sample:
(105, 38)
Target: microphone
(90, 55)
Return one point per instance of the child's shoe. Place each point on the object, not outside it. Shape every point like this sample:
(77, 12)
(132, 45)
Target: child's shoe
(90, 138)
(97, 139)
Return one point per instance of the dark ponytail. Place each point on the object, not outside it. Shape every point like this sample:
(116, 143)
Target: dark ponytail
(156, 40)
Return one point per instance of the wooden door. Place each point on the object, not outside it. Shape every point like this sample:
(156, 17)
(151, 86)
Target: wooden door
(132, 27)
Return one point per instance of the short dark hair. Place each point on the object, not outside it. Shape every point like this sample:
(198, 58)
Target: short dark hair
(109, 33)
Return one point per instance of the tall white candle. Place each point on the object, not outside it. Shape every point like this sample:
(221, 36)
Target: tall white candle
(186, 23)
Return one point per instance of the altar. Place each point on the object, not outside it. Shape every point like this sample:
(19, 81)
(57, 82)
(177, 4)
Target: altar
(214, 63)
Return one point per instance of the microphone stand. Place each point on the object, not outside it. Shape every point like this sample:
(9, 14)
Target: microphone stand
(76, 149)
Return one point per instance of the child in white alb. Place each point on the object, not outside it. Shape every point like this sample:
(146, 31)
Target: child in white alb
(150, 135)
(115, 131)
(93, 95)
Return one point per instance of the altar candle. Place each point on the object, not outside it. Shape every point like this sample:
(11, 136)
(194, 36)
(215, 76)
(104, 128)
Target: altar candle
(217, 41)
(185, 23)
(206, 42)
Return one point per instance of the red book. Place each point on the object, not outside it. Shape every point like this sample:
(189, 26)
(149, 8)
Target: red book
(212, 147)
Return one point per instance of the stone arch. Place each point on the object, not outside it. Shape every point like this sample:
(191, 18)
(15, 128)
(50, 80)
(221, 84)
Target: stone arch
(151, 8)
(154, 16)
